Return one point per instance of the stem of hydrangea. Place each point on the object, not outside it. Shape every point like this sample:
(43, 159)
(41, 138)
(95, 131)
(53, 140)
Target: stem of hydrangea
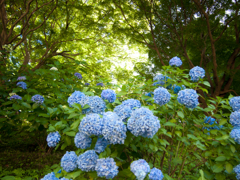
(177, 149)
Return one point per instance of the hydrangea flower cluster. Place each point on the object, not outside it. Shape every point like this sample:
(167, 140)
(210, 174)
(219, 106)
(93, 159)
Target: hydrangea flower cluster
(69, 161)
(21, 78)
(101, 145)
(155, 174)
(37, 99)
(196, 73)
(123, 112)
(132, 103)
(161, 79)
(114, 130)
(109, 95)
(76, 97)
(97, 105)
(91, 124)
(53, 69)
(106, 167)
(143, 123)
(161, 96)
(235, 134)
(22, 84)
(82, 141)
(235, 103)
(50, 176)
(87, 161)
(235, 118)
(100, 84)
(140, 168)
(53, 138)
(188, 97)
(237, 171)
(175, 61)
(15, 97)
(176, 88)
(78, 75)
(87, 84)
(209, 120)
(110, 116)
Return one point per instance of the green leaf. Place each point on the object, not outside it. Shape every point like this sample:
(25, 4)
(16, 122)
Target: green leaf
(217, 168)
(229, 168)
(180, 114)
(75, 124)
(222, 121)
(26, 105)
(178, 133)
(177, 160)
(71, 133)
(74, 174)
(206, 83)
(221, 158)
(35, 105)
(73, 115)
(134, 147)
(169, 124)
(43, 115)
(233, 149)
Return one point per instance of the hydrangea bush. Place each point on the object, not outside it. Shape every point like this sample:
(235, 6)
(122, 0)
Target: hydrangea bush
(167, 131)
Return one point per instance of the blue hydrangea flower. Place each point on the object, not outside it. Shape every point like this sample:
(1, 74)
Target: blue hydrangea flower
(235, 118)
(91, 124)
(132, 103)
(76, 97)
(21, 78)
(123, 112)
(176, 88)
(196, 73)
(101, 145)
(109, 95)
(22, 84)
(110, 116)
(143, 123)
(15, 97)
(209, 120)
(161, 96)
(69, 161)
(87, 161)
(64, 178)
(82, 141)
(53, 138)
(161, 79)
(235, 134)
(175, 61)
(150, 95)
(78, 75)
(50, 176)
(155, 174)
(140, 168)
(237, 169)
(188, 97)
(87, 84)
(235, 103)
(100, 84)
(97, 105)
(37, 99)
(114, 130)
(106, 167)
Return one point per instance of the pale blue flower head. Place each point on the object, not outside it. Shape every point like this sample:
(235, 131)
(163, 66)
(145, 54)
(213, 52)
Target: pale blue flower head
(235, 103)
(50, 176)
(106, 167)
(87, 161)
(196, 73)
(235, 118)
(235, 134)
(82, 141)
(53, 139)
(161, 96)
(69, 161)
(15, 97)
(97, 105)
(114, 130)
(140, 168)
(21, 78)
(76, 97)
(237, 169)
(161, 79)
(101, 145)
(143, 123)
(188, 97)
(132, 103)
(78, 75)
(109, 95)
(87, 84)
(175, 61)
(91, 124)
(22, 84)
(110, 116)
(155, 174)
(63, 178)
(37, 99)
(176, 88)
(123, 112)
(100, 84)
(209, 120)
